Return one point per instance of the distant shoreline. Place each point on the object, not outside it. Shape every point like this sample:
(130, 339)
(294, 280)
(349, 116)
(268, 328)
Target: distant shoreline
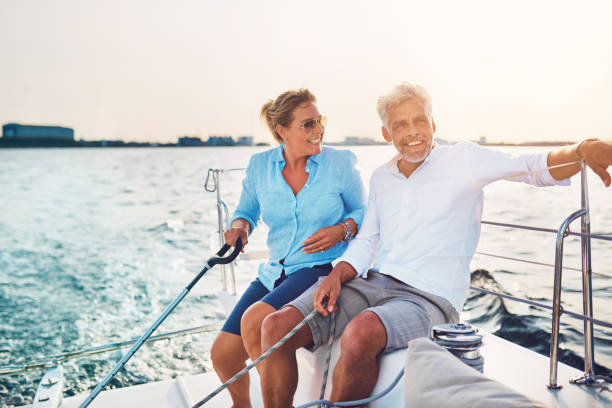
(84, 144)
(14, 144)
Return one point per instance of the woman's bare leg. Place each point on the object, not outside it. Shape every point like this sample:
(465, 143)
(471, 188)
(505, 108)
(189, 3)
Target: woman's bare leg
(228, 356)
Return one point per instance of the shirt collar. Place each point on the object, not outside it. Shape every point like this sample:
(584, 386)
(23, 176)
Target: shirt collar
(277, 155)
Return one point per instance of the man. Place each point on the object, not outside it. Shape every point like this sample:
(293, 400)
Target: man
(422, 225)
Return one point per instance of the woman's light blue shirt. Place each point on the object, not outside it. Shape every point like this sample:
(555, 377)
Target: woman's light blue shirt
(334, 192)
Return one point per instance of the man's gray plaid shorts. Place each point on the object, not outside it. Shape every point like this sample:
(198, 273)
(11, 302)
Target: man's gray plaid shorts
(406, 312)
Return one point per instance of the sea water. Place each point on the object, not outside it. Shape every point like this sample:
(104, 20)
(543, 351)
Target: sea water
(95, 243)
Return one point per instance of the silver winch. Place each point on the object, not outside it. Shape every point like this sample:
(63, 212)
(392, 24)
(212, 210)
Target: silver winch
(462, 340)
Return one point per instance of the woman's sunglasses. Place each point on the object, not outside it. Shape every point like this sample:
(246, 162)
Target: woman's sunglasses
(309, 125)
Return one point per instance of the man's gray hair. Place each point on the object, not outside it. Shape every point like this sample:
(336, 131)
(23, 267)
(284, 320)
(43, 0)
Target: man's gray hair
(399, 94)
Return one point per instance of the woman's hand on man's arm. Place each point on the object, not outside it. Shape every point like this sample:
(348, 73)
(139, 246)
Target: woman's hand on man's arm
(327, 237)
(323, 239)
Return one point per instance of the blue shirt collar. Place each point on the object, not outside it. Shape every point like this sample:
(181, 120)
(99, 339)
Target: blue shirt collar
(277, 155)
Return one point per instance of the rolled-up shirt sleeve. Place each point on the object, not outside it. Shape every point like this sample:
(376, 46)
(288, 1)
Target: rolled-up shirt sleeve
(489, 165)
(248, 207)
(353, 193)
(361, 250)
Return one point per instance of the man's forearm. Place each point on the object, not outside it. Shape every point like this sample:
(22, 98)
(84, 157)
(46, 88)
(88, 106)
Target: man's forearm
(565, 154)
(344, 271)
(595, 153)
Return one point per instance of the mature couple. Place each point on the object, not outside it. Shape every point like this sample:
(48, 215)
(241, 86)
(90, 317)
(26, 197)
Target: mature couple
(405, 270)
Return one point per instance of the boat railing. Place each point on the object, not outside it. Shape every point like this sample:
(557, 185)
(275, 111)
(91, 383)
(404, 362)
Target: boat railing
(213, 184)
(585, 235)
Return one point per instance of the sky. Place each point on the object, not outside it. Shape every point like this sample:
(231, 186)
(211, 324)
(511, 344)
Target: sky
(147, 70)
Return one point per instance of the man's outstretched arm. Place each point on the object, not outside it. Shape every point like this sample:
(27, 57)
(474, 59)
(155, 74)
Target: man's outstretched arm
(596, 154)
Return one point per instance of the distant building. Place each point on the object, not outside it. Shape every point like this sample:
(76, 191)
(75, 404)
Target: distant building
(112, 143)
(482, 140)
(245, 141)
(220, 141)
(356, 141)
(190, 141)
(32, 132)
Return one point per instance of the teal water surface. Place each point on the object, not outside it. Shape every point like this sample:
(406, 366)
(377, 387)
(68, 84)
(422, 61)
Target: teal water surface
(95, 243)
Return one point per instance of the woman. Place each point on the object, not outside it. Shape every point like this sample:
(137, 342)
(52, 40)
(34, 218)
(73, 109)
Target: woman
(312, 199)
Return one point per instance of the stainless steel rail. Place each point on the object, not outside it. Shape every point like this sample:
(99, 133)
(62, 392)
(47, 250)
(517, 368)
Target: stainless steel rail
(585, 235)
(554, 342)
(212, 184)
(587, 293)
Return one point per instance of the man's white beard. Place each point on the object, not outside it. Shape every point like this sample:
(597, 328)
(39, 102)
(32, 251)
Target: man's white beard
(412, 159)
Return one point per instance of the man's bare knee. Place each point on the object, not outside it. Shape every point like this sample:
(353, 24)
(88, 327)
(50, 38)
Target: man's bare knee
(364, 337)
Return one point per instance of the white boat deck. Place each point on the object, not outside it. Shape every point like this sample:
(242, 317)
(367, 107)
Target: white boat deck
(527, 372)
(512, 365)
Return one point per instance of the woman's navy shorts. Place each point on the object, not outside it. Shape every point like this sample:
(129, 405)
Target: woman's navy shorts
(286, 288)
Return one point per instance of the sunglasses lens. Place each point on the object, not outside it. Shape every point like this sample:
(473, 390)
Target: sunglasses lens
(310, 124)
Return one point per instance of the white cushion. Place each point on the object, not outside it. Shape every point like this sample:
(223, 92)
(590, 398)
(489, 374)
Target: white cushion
(436, 378)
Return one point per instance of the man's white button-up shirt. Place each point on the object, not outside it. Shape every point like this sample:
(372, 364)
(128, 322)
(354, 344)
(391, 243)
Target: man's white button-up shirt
(423, 230)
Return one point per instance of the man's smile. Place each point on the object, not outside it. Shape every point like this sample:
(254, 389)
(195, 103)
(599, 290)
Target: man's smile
(413, 143)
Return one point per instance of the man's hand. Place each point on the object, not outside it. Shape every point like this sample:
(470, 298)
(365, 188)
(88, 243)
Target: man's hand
(329, 289)
(595, 153)
(598, 156)
(240, 229)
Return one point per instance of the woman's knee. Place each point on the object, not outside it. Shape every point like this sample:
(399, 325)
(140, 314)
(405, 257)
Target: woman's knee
(226, 348)
(276, 325)
(218, 350)
(365, 336)
(251, 322)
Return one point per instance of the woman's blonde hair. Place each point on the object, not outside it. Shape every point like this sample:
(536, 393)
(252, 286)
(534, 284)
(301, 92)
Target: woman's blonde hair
(280, 110)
